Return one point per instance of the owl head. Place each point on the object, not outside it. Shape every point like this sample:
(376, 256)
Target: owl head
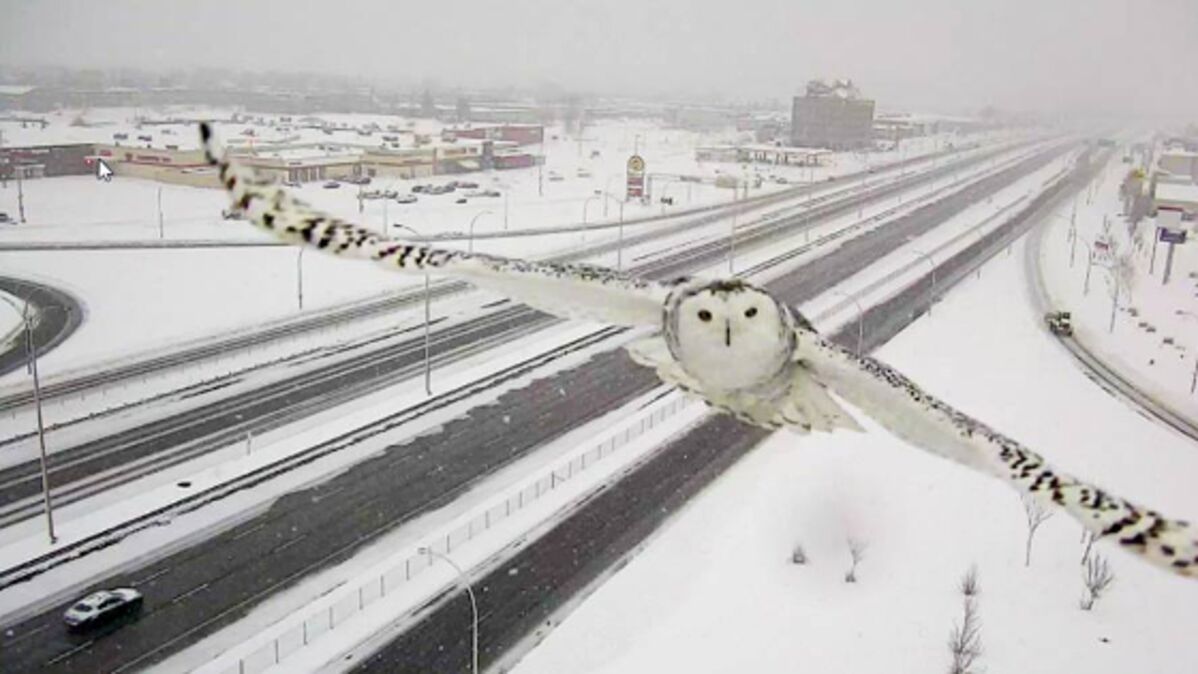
(730, 334)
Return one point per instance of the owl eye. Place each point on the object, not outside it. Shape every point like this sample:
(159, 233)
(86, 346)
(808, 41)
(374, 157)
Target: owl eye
(750, 312)
(704, 315)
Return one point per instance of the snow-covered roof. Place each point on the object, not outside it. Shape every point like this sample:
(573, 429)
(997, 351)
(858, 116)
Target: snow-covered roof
(1177, 192)
(15, 89)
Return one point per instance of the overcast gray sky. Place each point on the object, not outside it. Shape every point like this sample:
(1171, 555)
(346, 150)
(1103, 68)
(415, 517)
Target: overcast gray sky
(1059, 55)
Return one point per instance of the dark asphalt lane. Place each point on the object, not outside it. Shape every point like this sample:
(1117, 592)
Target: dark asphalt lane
(193, 592)
(181, 436)
(314, 321)
(60, 315)
(522, 594)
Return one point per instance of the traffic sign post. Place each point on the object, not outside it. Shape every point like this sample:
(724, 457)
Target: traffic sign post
(636, 177)
(1171, 237)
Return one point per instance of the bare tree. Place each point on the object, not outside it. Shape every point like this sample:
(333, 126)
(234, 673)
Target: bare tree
(857, 553)
(965, 640)
(798, 556)
(1088, 539)
(1036, 514)
(969, 582)
(1097, 578)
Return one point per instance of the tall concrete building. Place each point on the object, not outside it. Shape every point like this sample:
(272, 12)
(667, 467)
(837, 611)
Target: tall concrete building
(832, 116)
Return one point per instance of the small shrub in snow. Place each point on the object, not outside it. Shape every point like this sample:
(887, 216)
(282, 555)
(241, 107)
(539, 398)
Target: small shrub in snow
(969, 582)
(1088, 540)
(1036, 514)
(1097, 578)
(856, 553)
(798, 556)
(965, 640)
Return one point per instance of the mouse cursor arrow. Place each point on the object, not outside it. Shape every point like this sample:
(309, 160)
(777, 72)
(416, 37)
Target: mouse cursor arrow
(103, 171)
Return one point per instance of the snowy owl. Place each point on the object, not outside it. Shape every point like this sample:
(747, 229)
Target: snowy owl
(738, 348)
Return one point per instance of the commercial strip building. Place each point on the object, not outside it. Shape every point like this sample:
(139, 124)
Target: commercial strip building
(290, 161)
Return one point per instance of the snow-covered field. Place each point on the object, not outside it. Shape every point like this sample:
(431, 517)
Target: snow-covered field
(716, 590)
(139, 299)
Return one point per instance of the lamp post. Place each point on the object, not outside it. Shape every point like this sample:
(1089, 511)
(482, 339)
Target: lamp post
(469, 591)
(860, 318)
(299, 278)
(607, 190)
(586, 203)
(470, 241)
(932, 263)
(31, 353)
(620, 240)
(428, 369)
(161, 232)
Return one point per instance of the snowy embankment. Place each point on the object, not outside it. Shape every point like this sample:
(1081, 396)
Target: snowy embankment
(717, 590)
(1154, 340)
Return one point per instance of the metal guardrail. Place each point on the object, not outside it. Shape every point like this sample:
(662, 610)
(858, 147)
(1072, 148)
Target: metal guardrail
(335, 609)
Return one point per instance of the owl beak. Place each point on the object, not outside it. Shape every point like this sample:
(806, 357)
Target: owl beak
(727, 333)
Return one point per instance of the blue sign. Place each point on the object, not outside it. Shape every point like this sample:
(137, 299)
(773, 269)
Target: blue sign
(1171, 236)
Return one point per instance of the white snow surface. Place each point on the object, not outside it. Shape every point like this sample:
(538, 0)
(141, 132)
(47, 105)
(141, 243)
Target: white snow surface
(1164, 369)
(715, 591)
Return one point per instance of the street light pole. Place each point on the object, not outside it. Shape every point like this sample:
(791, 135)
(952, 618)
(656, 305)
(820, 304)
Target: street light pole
(31, 353)
(586, 203)
(860, 318)
(428, 367)
(470, 241)
(469, 591)
(20, 194)
(161, 233)
(732, 238)
(299, 279)
(931, 262)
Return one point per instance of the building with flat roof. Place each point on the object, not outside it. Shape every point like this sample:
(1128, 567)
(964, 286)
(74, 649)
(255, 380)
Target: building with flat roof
(832, 116)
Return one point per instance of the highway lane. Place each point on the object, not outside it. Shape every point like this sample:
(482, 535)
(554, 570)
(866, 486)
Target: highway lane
(79, 471)
(318, 320)
(520, 599)
(60, 315)
(193, 592)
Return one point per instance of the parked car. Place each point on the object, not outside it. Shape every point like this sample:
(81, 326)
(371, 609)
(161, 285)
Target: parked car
(102, 607)
(372, 194)
(460, 200)
(491, 193)
(232, 214)
(406, 199)
(292, 183)
(359, 180)
(583, 173)
(5, 219)
(417, 189)
(332, 185)
(390, 194)
(464, 184)
(555, 177)
(1060, 323)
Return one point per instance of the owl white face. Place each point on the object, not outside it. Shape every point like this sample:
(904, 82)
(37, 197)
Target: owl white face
(731, 335)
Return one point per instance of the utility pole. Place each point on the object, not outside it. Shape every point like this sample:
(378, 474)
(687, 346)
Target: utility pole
(161, 231)
(31, 345)
(20, 195)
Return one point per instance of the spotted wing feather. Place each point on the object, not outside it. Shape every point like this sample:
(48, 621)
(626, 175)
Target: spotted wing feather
(567, 290)
(902, 407)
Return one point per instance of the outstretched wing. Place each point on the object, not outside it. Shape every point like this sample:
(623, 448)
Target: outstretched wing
(921, 419)
(567, 290)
